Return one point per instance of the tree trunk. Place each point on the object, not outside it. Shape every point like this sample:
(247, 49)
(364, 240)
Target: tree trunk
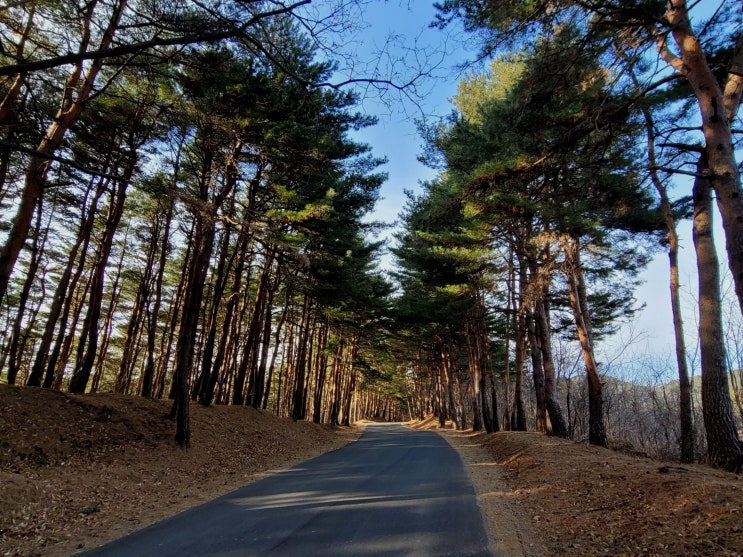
(557, 425)
(475, 364)
(537, 374)
(167, 339)
(299, 398)
(153, 314)
(137, 317)
(258, 336)
(351, 385)
(717, 109)
(66, 280)
(88, 343)
(206, 396)
(686, 421)
(320, 372)
(251, 344)
(335, 379)
(100, 361)
(211, 323)
(274, 355)
(583, 325)
(15, 349)
(723, 446)
(194, 292)
(518, 423)
(77, 90)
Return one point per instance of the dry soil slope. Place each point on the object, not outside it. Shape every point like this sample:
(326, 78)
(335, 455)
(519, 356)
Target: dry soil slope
(76, 471)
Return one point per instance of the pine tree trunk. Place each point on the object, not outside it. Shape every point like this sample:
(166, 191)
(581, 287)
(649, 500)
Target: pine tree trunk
(537, 374)
(557, 426)
(299, 397)
(582, 317)
(473, 356)
(335, 378)
(263, 384)
(57, 354)
(351, 385)
(206, 396)
(63, 349)
(507, 343)
(169, 335)
(189, 321)
(320, 372)
(724, 449)
(137, 318)
(67, 280)
(246, 371)
(211, 323)
(88, 343)
(717, 109)
(520, 342)
(14, 348)
(274, 355)
(685, 401)
(76, 93)
(153, 314)
(257, 373)
(102, 352)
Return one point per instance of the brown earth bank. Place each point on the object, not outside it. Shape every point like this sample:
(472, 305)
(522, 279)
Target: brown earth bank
(79, 470)
(76, 471)
(573, 499)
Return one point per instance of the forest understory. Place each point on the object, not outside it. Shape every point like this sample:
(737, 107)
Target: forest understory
(78, 470)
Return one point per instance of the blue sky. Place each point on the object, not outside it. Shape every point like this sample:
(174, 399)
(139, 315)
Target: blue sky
(396, 135)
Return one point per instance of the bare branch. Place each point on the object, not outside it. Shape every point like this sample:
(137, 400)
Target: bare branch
(684, 147)
(705, 174)
(135, 48)
(69, 162)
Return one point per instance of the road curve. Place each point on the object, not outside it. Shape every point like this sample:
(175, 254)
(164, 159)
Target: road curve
(395, 492)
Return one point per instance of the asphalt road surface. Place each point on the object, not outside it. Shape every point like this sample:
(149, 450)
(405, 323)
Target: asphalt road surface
(395, 492)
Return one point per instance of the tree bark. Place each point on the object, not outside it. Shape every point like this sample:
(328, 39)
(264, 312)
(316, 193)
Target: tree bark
(717, 109)
(583, 325)
(724, 449)
(299, 397)
(211, 323)
(189, 321)
(15, 348)
(105, 341)
(254, 334)
(557, 426)
(206, 396)
(88, 342)
(77, 91)
(686, 420)
(274, 355)
(137, 316)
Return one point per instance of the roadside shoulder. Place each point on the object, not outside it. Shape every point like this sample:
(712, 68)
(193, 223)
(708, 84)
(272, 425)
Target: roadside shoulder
(510, 529)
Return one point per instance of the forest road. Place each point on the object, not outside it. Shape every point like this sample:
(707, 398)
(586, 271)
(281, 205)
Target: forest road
(394, 492)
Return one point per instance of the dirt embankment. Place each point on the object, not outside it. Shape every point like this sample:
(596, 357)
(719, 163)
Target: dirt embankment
(76, 471)
(547, 496)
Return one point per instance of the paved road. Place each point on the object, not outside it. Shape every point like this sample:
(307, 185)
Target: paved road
(396, 492)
